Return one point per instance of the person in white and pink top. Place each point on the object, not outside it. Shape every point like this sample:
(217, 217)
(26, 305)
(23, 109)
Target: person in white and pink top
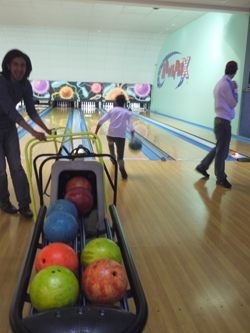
(119, 118)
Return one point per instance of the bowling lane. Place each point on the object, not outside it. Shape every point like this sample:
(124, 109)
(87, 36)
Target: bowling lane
(91, 122)
(25, 115)
(56, 118)
(174, 146)
(240, 146)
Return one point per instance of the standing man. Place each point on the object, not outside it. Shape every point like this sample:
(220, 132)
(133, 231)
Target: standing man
(14, 86)
(119, 118)
(226, 99)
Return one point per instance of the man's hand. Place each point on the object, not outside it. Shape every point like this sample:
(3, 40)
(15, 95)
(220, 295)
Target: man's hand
(40, 136)
(235, 84)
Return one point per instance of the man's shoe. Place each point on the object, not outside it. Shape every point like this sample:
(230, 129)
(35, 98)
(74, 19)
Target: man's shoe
(224, 183)
(202, 171)
(26, 212)
(123, 173)
(9, 208)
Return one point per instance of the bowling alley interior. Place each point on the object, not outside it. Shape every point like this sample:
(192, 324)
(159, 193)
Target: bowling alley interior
(184, 239)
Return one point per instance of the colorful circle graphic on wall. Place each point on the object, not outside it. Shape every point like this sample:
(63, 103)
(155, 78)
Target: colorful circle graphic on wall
(40, 87)
(142, 90)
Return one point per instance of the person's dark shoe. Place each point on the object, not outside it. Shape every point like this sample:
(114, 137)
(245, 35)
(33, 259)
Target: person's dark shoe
(202, 171)
(26, 212)
(224, 183)
(123, 173)
(9, 208)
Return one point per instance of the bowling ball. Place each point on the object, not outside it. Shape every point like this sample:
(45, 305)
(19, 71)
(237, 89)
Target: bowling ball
(100, 248)
(60, 227)
(78, 182)
(54, 287)
(81, 198)
(62, 205)
(40, 86)
(96, 88)
(57, 254)
(66, 92)
(104, 281)
(113, 93)
(135, 145)
(142, 90)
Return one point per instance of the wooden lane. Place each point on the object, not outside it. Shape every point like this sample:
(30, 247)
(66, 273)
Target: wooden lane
(190, 243)
(235, 145)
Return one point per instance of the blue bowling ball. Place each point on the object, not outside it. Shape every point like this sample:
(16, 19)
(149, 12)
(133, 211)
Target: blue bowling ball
(60, 227)
(62, 205)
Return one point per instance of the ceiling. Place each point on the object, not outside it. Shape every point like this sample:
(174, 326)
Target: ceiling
(161, 17)
(143, 25)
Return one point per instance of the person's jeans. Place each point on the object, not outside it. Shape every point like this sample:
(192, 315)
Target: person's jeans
(120, 145)
(10, 151)
(222, 130)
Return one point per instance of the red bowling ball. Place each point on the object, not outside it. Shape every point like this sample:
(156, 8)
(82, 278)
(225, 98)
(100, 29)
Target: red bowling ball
(78, 182)
(82, 199)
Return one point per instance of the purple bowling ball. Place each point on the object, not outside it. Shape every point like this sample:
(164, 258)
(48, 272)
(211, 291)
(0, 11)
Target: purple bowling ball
(142, 90)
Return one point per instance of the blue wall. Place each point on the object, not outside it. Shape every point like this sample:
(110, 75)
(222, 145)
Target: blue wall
(205, 45)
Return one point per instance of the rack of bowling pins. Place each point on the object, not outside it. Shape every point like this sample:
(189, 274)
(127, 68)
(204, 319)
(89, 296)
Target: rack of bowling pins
(88, 106)
(63, 104)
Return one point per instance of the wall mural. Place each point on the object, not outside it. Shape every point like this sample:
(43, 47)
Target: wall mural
(90, 91)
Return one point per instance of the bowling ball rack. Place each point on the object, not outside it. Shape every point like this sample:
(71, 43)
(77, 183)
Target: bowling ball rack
(128, 316)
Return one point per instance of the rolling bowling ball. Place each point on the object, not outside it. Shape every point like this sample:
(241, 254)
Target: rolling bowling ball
(78, 182)
(135, 145)
(54, 287)
(81, 198)
(62, 205)
(100, 248)
(57, 254)
(60, 227)
(104, 281)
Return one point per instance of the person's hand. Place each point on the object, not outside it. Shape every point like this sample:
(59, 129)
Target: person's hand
(40, 136)
(49, 131)
(235, 84)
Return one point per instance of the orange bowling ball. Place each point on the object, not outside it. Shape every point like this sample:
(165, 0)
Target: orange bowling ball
(66, 92)
(111, 96)
(57, 254)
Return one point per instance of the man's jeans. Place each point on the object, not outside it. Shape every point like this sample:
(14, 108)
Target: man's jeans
(10, 151)
(222, 130)
(120, 145)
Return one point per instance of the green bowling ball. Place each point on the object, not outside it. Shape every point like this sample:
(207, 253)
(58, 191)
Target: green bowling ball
(53, 287)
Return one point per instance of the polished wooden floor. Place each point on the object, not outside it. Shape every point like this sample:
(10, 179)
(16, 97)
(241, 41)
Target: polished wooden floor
(189, 238)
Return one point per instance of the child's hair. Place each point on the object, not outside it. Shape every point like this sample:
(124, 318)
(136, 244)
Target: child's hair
(120, 100)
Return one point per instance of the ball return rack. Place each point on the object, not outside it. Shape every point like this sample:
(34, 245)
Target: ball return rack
(127, 316)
